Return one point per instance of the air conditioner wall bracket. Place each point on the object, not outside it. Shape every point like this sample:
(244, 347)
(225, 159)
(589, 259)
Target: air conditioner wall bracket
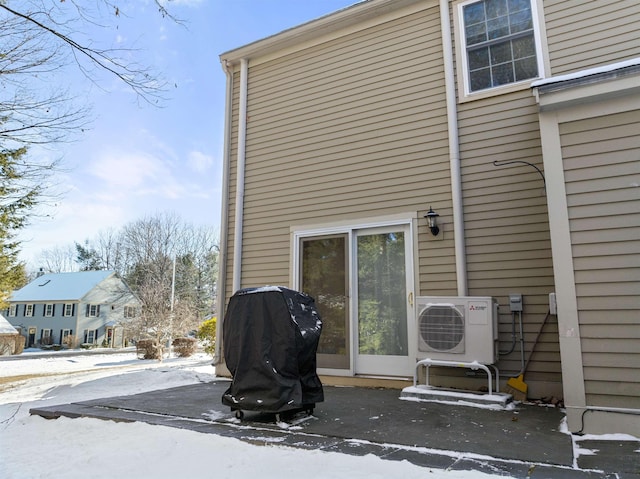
(474, 365)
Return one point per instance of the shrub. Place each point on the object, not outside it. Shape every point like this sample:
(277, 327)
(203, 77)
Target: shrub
(184, 347)
(207, 334)
(69, 341)
(7, 344)
(148, 349)
(20, 342)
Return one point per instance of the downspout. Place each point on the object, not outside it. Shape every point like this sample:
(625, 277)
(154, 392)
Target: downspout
(224, 214)
(242, 137)
(454, 150)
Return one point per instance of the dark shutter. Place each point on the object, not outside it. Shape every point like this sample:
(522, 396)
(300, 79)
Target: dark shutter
(87, 315)
(98, 310)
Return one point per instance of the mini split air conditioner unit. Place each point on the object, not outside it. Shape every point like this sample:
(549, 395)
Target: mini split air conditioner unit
(454, 329)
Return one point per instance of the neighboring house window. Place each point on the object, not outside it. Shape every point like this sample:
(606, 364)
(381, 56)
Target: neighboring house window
(499, 40)
(12, 310)
(90, 336)
(68, 310)
(66, 337)
(28, 310)
(48, 310)
(45, 336)
(129, 312)
(93, 310)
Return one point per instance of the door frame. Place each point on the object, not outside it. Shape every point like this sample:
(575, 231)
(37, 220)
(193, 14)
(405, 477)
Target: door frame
(350, 227)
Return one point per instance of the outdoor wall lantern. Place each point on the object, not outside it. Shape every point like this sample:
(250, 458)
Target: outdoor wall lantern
(432, 222)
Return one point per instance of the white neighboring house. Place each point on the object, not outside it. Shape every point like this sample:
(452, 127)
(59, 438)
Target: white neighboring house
(91, 306)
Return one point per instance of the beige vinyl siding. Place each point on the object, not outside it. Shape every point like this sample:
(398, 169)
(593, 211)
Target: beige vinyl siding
(352, 128)
(602, 171)
(507, 227)
(586, 34)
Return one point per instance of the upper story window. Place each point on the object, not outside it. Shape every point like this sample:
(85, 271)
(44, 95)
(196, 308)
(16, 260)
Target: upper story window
(28, 310)
(499, 39)
(68, 310)
(48, 310)
(93, 310)
(12, 310)
(129, 312)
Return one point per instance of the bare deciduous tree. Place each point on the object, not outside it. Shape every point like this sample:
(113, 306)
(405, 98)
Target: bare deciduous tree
(39, 41)
(59, 259)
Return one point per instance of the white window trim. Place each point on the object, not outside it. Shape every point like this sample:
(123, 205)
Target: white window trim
(539, 32)
(48, 310)
(12, 310)
(28, 310)
(68, 308)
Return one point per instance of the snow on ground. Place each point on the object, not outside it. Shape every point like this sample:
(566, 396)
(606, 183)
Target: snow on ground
(32, 447)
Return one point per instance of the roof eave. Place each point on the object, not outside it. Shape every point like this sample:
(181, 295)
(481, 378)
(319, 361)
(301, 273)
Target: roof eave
(332, 22)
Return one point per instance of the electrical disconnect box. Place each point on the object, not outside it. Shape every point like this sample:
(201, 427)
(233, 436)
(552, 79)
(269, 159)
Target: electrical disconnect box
(553, 307)
(515, 302)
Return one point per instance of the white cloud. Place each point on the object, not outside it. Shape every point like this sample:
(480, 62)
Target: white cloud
(199, 161)
(125, 170)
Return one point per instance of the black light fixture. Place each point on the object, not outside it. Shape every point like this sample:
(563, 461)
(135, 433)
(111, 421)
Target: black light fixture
(432, 222)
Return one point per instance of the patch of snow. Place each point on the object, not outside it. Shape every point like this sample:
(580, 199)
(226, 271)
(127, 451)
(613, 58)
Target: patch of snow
(101, 449)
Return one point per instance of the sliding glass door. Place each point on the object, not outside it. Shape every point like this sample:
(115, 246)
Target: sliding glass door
(362, 283)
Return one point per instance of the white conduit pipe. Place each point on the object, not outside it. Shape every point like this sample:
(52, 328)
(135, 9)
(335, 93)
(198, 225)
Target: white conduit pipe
(242, 137)
(454, 150)
(224, 213)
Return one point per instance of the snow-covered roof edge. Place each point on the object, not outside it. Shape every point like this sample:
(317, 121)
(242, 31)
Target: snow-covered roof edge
(588, 72)
(6, 327)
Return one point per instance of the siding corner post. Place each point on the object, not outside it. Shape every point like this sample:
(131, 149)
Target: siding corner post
(454, 150)
(563, 269)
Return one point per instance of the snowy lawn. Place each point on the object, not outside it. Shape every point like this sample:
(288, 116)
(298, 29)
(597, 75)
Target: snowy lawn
(33, 447)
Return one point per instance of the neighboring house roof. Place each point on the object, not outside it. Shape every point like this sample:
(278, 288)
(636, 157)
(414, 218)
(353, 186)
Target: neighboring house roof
(5, 327)
(60, 286)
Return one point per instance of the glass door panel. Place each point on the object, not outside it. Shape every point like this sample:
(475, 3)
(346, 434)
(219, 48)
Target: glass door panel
(382, 301)
(324, 276)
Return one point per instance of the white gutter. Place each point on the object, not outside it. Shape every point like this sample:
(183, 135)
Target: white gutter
(224, 213)
(454, 150)
(242, 137)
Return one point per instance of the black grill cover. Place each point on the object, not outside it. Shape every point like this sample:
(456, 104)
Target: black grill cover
(270, 339)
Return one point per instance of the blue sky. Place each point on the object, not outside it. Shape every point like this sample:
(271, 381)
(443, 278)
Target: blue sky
(136, 160)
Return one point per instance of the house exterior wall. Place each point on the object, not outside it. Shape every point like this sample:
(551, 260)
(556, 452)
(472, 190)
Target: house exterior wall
(55, 323)
(354, 126)
(592, 151)
(601, 161)
(583, 35)
(349, 123)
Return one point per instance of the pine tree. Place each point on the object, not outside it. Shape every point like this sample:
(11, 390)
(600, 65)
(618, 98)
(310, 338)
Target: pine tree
(18, 196)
